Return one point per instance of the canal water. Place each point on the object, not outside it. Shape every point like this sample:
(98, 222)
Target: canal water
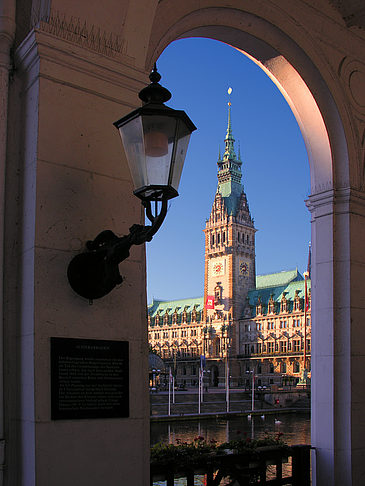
(295, 428)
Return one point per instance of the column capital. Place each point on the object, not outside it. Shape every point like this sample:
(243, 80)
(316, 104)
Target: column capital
(338, 201)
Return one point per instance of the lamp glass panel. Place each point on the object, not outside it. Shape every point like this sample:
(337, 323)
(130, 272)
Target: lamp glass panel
(182, 143)
(133, 142)
(159, 138)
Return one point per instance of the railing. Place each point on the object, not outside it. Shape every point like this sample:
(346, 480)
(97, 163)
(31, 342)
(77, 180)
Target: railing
(287, 354)
(248, 468)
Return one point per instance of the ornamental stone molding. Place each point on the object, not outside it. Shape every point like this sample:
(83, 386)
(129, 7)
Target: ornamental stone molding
(352, 12)
(352, 71)
(79, 32)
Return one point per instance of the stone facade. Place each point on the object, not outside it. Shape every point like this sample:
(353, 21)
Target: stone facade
(275, 342)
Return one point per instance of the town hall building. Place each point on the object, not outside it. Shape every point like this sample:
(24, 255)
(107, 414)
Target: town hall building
(243, 323)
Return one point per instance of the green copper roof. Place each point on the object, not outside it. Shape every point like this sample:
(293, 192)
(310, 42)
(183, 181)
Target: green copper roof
(180, 305)
(275, 279)
(296, 286)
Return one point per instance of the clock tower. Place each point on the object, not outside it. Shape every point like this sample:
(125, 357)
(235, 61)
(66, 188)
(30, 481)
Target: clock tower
(229, 245)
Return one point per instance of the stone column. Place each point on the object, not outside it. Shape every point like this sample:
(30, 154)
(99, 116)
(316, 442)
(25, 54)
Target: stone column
(7, 35)
(338, 334)
(74, 183)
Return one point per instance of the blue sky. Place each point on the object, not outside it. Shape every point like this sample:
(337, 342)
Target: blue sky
(275, 169)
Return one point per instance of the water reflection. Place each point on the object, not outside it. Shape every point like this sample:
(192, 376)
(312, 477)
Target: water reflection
(295, 427)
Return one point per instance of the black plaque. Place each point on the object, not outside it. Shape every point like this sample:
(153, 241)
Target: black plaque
(89, 378)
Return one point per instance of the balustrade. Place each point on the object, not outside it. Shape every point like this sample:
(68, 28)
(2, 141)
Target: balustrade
(246, 468)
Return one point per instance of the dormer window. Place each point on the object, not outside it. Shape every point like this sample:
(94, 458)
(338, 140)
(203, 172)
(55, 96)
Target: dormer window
(259, 307)
(283, 304)
(157, 318)
(166, 318)
(174, 317)
(271, 305)
(297, 306)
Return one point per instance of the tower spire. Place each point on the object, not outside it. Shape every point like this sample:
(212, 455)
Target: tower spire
(229, 127)
(229, 170)
(229, 140)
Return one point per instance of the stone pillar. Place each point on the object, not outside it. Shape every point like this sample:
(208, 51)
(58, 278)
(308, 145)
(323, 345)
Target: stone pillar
(7, 35)
(73, 183)
(338, 334)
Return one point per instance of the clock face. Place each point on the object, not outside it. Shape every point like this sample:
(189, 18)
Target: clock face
(244, 268)
(218, 268)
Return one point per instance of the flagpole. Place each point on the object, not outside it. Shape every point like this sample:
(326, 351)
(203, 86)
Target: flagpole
(306, 307)
(253, 391)
(202, 383)
(199, 391)
(305, 320)
(173, 389)
(169, 408)
(227, 383)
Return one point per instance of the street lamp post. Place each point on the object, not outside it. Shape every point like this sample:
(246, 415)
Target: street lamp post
(253, 389)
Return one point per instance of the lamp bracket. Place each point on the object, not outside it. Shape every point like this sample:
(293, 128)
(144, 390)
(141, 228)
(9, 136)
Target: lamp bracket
(95, 272)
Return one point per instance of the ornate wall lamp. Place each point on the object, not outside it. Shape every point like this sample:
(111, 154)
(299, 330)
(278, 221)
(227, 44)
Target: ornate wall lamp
(155, 139)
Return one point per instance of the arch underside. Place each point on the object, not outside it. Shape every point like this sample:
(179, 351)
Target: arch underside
(292, 71)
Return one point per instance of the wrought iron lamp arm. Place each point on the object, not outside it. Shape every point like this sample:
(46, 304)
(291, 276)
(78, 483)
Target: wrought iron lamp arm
(94, 273)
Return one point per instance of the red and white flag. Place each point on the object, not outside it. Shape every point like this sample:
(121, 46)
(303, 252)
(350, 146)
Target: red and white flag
(209, 304)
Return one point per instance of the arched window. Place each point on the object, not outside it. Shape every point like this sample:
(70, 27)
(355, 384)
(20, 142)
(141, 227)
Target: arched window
(296, 367)
(271, 368)
(238, 236)
(217, 346)
(212, 240)
(282, 367)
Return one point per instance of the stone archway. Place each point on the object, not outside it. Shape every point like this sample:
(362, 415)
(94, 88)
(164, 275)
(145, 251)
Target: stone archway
(295, 67)
(78, 69)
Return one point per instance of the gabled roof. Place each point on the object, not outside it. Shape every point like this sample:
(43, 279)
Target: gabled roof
(277, 279)
(180, 305)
